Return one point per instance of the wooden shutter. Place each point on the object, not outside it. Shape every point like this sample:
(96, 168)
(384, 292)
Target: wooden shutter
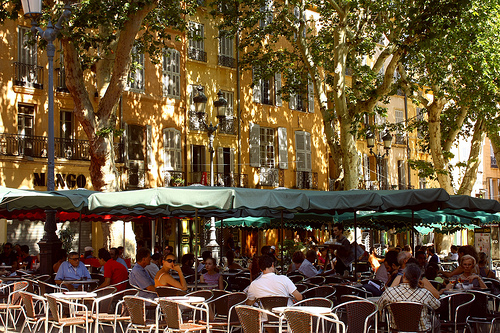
(220, 159)
(277, 88)
(256, 88)
(282, 148)
(310, 95)
(231, 159)
(254, 145)
(149, 147)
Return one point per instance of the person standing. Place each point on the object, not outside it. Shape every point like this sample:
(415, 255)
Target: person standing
(344, 253)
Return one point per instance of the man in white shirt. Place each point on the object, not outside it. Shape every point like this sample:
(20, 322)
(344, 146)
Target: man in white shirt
(270, 284)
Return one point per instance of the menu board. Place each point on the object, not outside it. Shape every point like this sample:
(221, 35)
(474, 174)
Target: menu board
(482, 240)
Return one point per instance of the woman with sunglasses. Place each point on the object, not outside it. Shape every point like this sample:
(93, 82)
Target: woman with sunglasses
(211, 276)
(163, 277)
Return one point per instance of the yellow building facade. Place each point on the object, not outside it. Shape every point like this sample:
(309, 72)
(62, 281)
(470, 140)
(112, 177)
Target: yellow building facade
(263, 141)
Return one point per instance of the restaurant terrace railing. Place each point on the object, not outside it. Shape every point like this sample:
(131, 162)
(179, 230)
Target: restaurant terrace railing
(36, 146)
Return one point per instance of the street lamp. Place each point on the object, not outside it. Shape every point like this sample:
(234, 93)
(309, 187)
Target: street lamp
(50, 243)
(370, 142)
(200, 101)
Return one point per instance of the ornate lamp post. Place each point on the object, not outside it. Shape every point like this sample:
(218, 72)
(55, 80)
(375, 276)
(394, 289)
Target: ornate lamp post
(50, 243)
(200, 101)
(370, 142)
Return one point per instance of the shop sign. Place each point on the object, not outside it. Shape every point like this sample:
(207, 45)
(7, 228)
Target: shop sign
(62, 180)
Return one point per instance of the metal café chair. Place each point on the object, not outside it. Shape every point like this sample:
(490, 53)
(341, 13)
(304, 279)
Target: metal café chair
(485, 310)
(458, 305)
(13, 304)
(165, 291)
(224, 315)
(173, 318)
(320, 291)
(112, 318)
(358, 315)
(300, 321)
(318, 280)
(269, 303)
(34, 310)
(301, 287)
(315, 301)
(252, 318)
(78, 316)
(405, 317)
(136, 307)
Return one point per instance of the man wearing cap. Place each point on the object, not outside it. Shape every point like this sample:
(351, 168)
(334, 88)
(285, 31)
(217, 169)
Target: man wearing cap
(89, 259)
(72, 270)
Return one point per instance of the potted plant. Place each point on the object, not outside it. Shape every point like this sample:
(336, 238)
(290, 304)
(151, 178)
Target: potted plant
(177, 182)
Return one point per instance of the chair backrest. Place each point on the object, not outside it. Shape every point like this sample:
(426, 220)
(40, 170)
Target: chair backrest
(348, 298)
(319, 280)
(359, 314)
(105, 304)
(172, 313)
(341, 290)
(460, 305)
(165, 291)
(321, 291)
(223, 303)
(270, 302)
(334, 279)
(206, 294)
(296, 278)
(316, 301)
(404, 316)
(16, 288)
(301, 287)
(136, 308)
(300, 321)
(250, 318)
(241, 282)
(53, 307)
(27, 299)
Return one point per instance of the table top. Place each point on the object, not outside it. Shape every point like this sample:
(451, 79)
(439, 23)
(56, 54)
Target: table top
(74, 295)
(202, 286)
(185, 299)
(311, 309)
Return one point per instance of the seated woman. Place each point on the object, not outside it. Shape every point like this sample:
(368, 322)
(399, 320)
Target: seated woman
(163, 277)
(468, 265)
(211, 276)
(463, 250)
(412, 289)
(484, 270)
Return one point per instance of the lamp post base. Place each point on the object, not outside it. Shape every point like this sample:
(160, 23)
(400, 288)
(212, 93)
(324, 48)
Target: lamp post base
(50, 244)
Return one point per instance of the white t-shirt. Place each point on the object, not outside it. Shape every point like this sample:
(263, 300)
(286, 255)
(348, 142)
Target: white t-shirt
(271, 284)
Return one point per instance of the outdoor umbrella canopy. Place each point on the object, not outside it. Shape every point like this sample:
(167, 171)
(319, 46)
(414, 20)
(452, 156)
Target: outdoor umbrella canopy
(257, 223)
(429, 199)
(472, 204)
(161, 200)
(26, 200)
(477, 217)
(341, 201)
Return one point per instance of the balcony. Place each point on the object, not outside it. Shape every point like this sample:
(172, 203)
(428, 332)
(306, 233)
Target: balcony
(227, 61)
(27, 75)
(306, 180)
(271, 177)
(36, 146)
(174, 178)
(196, 54)
(227, 125)
(400, 139)
(195, 124)
(220, 179)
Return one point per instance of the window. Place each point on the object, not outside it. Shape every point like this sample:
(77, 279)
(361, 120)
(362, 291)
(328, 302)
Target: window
(492, 157)
(226, 50)
(25, 130)
(301, 101)
(228, 95)
(66, 133)
(401, 175)
(266, 91)
(303, 151)
(196, 50)
(136, 74)
(400, 120)
(198, 165)
(267, 13)
(27, 72)
(135, 144)
(267, 158)
(172, 149)
(171, 73)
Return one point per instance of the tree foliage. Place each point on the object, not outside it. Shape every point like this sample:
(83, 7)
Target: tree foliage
(337, 39)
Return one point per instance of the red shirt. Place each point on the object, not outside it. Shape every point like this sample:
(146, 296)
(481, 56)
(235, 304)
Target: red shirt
(116, 272)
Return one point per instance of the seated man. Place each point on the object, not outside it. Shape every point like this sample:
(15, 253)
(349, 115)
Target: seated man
(270, 284)
(71, 270)
(410, 291)
(115, 255)
(114, 272)
(307, 267)
(139, 277)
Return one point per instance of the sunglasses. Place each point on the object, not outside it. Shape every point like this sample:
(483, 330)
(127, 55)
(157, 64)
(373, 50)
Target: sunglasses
(170, 260)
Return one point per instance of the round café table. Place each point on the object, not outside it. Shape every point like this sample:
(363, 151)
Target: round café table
(85, 283)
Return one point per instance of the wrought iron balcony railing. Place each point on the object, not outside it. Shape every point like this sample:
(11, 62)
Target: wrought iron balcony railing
(195, 124)
(271, 177)
(227, 125)
(220, 179)
(36, 146)
(307, 180)
(400, 139)
(27, 75)
(227, 61)
(196, 54)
